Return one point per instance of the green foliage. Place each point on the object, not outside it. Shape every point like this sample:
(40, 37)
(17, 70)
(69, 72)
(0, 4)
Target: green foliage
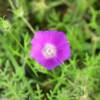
(22, 78)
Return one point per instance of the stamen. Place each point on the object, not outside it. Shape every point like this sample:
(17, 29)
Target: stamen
(49, 51)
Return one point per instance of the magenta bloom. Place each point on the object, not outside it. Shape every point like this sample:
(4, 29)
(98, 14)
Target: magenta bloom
(50, 48)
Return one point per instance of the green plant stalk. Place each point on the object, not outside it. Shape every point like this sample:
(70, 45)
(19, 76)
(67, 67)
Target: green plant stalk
(24, 19)
(11, 4)
(28, 24)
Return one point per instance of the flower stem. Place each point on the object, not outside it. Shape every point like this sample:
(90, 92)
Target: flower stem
(11, 4)
(28, 24)
(22, 17)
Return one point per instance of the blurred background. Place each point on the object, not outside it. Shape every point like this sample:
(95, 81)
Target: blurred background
(24, 79)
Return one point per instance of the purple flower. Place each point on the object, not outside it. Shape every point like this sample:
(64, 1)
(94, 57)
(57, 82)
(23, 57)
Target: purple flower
(50, 48)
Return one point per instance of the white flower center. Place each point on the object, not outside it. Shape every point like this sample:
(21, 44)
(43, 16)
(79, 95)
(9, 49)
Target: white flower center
(49, 51)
